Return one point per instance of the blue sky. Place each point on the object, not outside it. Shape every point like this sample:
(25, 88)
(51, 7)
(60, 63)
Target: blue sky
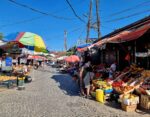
(52, 29)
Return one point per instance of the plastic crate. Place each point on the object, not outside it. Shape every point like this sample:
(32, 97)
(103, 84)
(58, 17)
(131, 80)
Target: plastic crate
(108, 91)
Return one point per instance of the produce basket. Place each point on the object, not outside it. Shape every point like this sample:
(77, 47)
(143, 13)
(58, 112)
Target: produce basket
(129, 108)
(145, 101)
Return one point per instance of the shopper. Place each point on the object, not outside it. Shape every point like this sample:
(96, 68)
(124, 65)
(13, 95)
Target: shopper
(82, 75)
(87, 79)
(112, 70)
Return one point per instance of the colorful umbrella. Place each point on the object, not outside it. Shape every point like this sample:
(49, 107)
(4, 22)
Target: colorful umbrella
(72, 59)
(30, 40)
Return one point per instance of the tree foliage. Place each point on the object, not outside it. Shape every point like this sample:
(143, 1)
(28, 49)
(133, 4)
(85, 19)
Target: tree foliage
(1, 36)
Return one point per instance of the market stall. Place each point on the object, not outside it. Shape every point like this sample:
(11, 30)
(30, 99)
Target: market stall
(132, 87)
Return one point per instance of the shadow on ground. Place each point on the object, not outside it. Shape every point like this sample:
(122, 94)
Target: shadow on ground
(66, 84)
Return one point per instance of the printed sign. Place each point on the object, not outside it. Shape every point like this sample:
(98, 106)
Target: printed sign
(8, 61)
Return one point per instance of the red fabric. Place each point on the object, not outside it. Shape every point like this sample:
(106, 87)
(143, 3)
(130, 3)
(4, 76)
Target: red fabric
(36, 57)
(125, 35)
(129, 35)
(19, 36)
(127, 57)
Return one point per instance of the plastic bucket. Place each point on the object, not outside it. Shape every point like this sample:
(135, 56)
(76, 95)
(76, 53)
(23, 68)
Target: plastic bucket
(100, 95)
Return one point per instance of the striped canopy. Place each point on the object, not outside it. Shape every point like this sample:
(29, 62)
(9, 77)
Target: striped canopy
(29, 40)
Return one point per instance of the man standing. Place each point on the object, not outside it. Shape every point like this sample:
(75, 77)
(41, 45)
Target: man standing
(112, 70)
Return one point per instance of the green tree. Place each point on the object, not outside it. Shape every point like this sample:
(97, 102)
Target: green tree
(1, 36)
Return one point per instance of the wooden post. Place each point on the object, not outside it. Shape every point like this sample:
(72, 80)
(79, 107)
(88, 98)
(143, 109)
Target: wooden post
(65, 40)
(98, 19)
(135, 61)
(89, 21)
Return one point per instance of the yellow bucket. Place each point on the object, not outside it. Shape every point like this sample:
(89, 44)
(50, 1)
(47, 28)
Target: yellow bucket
(100, 95)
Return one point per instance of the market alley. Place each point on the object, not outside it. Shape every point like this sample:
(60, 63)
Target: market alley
(52, 94)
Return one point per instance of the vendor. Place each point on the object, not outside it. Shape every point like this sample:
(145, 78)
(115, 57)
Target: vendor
(112, 69)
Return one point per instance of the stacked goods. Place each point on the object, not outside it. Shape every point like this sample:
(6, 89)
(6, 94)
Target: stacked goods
(145, 101)
(117, 83)
(6, 78)
(102, 86)
(145, 87)
(129, 99)
(124, 89)
(130, 79)
(129, 102)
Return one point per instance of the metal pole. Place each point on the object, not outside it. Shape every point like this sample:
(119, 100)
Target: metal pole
(65, 40)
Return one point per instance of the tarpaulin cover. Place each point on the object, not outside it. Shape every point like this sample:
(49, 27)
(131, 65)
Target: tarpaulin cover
(125, 36)
(84, 45)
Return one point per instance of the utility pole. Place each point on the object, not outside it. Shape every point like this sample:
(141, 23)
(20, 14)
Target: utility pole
(65, 40)
(98, 19)
(89, 21)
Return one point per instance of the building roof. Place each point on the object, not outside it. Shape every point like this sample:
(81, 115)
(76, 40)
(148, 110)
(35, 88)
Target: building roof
(136, 24)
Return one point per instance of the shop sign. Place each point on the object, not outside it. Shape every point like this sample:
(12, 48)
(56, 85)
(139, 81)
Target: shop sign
(8, 61)
(142, 54)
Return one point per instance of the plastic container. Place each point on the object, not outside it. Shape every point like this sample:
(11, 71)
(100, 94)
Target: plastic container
(100, 95)
(108, 91)
(21, 81)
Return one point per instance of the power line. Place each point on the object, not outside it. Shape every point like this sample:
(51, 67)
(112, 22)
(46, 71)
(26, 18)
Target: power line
(128, 16)
(63, 9)
(131, 8)
(38, 11)
(107, 27)
(28, 20)
(20, 22)
(74, 11)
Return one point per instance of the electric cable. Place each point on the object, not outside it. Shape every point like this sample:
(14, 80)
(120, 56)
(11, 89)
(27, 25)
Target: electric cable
(74, 12)
(38, 11)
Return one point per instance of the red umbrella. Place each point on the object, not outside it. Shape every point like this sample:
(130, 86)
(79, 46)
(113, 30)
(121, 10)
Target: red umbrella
(35, 57)
(72, 59)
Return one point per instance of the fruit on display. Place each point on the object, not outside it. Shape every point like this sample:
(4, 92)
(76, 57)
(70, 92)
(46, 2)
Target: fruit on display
(117, 84)
(124, 89)
(102, 84)
(6, 78)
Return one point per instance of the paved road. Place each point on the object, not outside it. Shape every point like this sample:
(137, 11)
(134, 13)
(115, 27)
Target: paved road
(54, 95)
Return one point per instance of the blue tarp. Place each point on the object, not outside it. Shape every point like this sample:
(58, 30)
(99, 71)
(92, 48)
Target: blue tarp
(84, 45)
